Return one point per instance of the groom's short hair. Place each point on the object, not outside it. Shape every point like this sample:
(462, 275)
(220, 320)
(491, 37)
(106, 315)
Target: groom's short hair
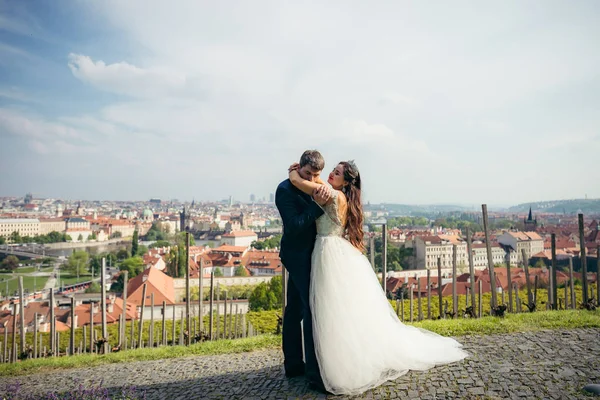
(312, 158)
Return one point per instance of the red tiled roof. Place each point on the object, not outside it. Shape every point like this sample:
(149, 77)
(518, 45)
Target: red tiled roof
(224, 248)
(157, 282)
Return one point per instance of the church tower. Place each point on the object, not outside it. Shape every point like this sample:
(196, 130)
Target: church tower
(530, 223)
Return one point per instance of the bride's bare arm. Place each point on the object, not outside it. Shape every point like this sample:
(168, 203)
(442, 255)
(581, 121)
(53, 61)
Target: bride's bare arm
(307, 187)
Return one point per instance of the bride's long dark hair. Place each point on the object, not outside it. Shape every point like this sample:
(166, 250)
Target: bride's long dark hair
(354, 219)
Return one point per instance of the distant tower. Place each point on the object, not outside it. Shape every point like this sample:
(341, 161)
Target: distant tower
(79, 210)
(530, 223)
(230, 201)
(271, 198)
(28, 198)
(252, 198)
(184, 218)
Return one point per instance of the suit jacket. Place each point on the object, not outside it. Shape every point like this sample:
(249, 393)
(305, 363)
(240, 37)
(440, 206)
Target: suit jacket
(298, 213)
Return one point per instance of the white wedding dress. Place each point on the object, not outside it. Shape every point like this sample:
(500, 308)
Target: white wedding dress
(359, 341)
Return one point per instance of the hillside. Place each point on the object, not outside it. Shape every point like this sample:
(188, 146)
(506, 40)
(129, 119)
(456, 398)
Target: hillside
(569, 207)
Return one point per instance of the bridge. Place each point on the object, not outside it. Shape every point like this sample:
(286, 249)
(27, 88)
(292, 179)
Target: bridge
(35, 252)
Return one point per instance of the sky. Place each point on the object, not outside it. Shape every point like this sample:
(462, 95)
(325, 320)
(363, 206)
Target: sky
(437, 102)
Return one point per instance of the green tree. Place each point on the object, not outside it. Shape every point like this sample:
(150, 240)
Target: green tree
(80, 238)
(94, 288)
(241, 271)
(134, 265)
(117, 285)
(93, 236)
(10, 263)
(141, 250)
(180, 239)
(270, 243)
(173, 262)
(395, 266)
(56, 237)
(160, 243)
(181, 269)
(122, 254)
(77, 263)
(116, 235)
(421, 221)
(218, 272)
(2, 240)
(15, 237)
(266, 297)
(68, 238)
(134, 243)
(395, 256)
(155, 233)
(96, 263)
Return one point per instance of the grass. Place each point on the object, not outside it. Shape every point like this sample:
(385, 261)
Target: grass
(28, 283)
(512, 323)
(25, 270)
(66, 279)
(264, 321)
(87, 360)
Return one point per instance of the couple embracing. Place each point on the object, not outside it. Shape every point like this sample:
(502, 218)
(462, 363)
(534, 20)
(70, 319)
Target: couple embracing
(353, 340)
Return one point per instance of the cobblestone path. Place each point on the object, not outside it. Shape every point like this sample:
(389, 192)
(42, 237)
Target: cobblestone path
(544, 365)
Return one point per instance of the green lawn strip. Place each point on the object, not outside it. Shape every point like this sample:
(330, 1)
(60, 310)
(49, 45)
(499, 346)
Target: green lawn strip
(25, 270)
(86, 360)
(511, 323)
(28, 283)
(66, 279)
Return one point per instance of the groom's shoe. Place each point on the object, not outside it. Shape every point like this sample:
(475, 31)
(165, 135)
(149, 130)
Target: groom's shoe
(318, 386)
(294, 371)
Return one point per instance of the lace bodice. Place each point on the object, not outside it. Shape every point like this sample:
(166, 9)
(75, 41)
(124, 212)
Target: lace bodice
(329, 224)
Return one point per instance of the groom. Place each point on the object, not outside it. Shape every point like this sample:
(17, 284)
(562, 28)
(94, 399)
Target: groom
(298, 213)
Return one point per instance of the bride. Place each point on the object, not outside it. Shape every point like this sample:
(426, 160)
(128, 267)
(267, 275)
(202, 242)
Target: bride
(359, 341)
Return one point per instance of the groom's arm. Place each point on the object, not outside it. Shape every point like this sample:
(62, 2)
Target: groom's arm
(294, 222)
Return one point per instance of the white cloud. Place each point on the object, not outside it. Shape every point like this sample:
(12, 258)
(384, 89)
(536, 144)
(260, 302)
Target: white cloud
(39, 147)
(15, 123)
(124, 78)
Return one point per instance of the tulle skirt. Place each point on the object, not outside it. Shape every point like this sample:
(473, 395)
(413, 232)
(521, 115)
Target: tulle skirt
(359, 341)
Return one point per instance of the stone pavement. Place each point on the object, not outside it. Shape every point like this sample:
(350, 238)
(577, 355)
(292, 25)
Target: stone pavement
(535, 365)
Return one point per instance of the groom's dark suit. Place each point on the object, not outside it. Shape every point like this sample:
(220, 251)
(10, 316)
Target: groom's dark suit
(298, 213)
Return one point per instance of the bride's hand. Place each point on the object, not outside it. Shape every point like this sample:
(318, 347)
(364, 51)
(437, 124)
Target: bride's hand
(293, 167)
(322, 194)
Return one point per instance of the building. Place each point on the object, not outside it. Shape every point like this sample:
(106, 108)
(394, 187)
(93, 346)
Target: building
(480, 259)
(430, 248)
(154, 261)
(263, 262)
(77, 223)
(24, 226)
(239, 238)
(124, 227)
(156, 282)
(48, 225)
(227, 258)
(531, 242)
